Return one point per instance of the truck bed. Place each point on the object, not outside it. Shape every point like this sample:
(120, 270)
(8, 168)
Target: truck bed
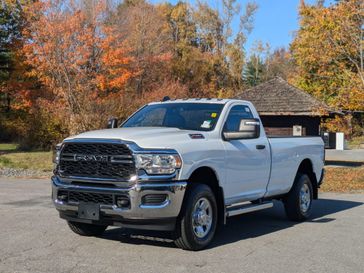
(287, 152)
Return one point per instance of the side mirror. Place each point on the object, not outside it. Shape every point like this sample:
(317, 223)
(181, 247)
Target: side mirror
(248, 129)
(112, 123)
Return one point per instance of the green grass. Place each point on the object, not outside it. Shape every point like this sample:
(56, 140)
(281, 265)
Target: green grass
(6, 147)
(11, 157)
(41, 161)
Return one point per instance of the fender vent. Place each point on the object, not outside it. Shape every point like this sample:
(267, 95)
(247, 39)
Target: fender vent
(196, 136)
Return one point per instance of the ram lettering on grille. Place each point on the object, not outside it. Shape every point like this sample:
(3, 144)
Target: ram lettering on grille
(97, 160)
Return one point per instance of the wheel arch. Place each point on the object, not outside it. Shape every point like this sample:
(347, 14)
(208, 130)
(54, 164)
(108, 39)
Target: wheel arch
(208, 176)
(306, 167)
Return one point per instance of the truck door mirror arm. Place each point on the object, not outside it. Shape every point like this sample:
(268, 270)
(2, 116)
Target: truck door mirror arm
(112, 123)
(248, 129)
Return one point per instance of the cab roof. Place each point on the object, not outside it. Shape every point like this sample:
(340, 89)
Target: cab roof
(199, 100)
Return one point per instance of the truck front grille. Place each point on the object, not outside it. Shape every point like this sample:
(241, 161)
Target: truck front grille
(97, 160)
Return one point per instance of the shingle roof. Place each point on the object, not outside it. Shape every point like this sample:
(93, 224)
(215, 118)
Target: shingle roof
(278, 97)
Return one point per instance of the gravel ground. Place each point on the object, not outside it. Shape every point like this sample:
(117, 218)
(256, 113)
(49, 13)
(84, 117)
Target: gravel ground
(34, 239)
(10, 172)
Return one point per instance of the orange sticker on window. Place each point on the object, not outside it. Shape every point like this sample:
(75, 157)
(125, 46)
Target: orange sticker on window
(213, 115)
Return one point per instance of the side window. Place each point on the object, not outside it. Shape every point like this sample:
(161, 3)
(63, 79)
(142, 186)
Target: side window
(236, 113)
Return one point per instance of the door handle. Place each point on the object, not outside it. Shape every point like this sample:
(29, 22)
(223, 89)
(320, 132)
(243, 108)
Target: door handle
(260, 147)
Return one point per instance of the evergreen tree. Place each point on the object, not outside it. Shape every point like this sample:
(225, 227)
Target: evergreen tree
(253, 72)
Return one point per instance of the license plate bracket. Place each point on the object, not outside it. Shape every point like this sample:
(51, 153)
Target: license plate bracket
(89, 211)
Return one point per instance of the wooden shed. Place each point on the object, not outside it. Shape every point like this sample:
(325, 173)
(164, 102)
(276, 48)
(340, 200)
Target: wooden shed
(285, 109)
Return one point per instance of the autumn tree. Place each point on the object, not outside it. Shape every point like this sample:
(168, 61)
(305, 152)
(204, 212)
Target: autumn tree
(328, 51)
(264, 64)
(279, 63)
(145, 31)
(17, 91)
(88, 59)
(208, 57)
(11, 25)
(189, 64)
(235, 51)
(77, 58)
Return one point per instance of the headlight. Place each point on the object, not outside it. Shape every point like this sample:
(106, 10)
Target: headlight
(158, 163)
(57, 153)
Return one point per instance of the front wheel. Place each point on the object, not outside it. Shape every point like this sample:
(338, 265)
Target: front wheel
(298, 202)
(197, 226)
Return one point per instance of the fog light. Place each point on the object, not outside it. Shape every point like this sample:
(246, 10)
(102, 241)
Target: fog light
(122, 201)
(62, 196)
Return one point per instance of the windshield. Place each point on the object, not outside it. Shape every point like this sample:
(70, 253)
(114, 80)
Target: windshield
(185, 116)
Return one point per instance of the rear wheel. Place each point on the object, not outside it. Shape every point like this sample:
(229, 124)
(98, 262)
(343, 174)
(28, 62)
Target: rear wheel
(197, 226)
(86, 229)
(298, 202)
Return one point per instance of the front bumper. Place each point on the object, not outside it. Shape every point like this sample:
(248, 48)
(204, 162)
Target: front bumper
(160, 216)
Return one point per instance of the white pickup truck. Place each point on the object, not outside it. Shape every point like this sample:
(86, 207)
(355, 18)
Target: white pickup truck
(183, 166)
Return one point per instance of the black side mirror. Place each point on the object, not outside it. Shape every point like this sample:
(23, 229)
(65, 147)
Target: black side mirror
(249, 128)
(112, 123)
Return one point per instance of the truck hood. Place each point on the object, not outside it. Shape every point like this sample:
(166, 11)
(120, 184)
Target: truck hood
(145, 137)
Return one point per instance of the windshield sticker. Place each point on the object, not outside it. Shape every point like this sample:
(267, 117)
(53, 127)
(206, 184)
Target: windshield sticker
(206, 124)
(213, 115)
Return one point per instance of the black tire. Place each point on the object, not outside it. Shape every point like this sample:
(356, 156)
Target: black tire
(186, 236)
(86, 229)
(292, 202)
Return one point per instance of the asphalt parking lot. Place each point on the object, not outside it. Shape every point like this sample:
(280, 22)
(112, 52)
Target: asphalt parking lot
(34, 239)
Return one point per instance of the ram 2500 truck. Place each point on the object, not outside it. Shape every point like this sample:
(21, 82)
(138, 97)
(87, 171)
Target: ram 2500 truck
(183, 166)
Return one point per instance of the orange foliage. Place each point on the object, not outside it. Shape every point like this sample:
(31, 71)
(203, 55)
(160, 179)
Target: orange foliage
(78, 58)
(327, 53)
(114, 61)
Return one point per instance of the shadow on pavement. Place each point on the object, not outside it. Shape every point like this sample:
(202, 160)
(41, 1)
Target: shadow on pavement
(239, 227)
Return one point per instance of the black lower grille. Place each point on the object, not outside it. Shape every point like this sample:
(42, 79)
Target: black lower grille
(90, 197)
(97, 160)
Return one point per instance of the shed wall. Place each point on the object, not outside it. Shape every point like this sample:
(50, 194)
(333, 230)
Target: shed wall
(283, 125)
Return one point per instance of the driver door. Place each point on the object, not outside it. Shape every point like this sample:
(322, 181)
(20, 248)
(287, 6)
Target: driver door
(247, 160)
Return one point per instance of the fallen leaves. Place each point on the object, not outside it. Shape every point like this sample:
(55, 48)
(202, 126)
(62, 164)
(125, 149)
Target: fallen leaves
(343, 179)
